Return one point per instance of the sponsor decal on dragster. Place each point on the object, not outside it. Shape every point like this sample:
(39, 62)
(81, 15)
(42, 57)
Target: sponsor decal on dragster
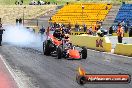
(99, 43)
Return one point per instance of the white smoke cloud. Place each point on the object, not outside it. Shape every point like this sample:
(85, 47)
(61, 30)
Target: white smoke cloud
(20, 36)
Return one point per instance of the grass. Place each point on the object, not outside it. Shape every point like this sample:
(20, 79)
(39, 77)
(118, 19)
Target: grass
(26, 2)
(9, 13)
(11, 2)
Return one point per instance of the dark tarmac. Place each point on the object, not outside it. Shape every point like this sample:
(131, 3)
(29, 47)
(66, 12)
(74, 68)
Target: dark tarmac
(34, 70)
(48, 72)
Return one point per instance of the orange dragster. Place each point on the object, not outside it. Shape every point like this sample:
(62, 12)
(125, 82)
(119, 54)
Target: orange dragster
(56, 46)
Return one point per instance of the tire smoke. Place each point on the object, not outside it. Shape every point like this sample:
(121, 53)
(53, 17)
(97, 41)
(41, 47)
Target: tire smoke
(21, 36)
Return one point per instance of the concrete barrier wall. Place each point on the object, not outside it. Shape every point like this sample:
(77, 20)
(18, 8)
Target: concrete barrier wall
(123, 49)
(125, 34)
(92, 42)
(78, 33)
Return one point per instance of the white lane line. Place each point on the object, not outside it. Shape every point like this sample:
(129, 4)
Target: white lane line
(15, 77)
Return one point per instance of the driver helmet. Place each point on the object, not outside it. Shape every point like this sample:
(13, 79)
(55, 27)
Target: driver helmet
(66, 35)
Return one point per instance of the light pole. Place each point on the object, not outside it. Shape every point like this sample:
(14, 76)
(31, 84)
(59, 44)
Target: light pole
(23, 14)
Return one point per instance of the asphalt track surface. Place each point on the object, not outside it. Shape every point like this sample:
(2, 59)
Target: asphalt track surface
(39, 71)
(34, 70)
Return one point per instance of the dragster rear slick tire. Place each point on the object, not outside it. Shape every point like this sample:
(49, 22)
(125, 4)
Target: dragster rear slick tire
(59, 52)
(84, 53)
(46, 48)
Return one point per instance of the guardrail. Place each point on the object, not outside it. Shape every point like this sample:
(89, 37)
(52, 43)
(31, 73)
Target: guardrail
(92, 42)
(125, 34)
(123, 49)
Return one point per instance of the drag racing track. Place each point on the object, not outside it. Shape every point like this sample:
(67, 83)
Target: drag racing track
(34, 70)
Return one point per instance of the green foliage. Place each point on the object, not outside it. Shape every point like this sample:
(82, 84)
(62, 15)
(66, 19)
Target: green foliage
(26, 2)
(12, 2)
